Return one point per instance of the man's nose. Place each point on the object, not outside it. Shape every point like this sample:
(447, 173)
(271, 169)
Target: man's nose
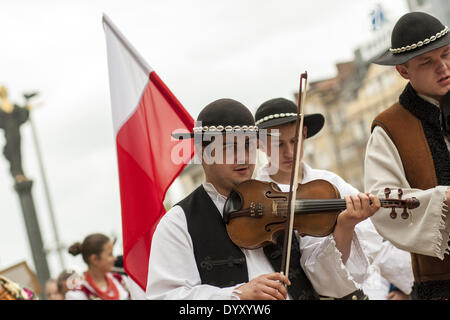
(442, 65)
(289, 149)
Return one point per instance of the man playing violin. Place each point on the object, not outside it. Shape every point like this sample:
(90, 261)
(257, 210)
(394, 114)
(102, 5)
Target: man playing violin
(192, 256)
(280, 115)
(409, 149)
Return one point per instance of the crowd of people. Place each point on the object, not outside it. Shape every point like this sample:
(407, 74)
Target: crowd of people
(104, 278)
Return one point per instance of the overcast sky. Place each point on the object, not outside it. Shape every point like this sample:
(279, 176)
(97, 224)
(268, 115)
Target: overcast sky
(249, 50)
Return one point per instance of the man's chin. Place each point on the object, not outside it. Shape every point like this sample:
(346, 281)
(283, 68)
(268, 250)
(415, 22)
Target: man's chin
(439, 92)
(285, 169)
(241, 178)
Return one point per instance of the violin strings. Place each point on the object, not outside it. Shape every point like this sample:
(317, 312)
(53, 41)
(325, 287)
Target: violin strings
(306, 205)
(316, 205)
(314, 202)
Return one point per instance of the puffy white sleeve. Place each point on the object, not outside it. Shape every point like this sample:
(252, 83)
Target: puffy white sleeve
(322, 263)
(392, 263)
(427, 230)
(172, 272)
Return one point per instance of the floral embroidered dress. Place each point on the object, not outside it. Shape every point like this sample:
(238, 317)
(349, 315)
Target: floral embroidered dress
(10, 290)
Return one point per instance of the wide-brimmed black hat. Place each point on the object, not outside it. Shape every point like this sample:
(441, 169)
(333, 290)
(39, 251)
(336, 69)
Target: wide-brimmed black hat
(279, 111)
(222, 116)
(414, 34)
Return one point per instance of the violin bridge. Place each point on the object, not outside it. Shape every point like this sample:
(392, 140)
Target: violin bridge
(274, 208)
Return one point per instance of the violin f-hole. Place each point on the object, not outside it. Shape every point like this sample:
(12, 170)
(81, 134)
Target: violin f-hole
(268, 227)
(269, 195)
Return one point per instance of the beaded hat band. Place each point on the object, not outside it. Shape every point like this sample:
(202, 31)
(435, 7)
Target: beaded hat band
(221, 128)
(280, 111)
(275, 116)
(420, 43)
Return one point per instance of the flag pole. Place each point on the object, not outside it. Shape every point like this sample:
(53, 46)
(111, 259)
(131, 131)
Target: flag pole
(59, 247)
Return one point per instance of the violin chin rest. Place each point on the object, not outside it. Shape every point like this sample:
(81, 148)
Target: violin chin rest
(233, 203)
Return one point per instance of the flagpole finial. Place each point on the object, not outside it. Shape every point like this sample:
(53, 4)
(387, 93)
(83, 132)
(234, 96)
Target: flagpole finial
(109, 25)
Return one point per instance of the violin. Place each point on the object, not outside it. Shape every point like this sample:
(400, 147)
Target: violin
(256, 212)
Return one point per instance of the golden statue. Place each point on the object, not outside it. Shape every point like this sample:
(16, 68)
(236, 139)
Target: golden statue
(12, 117)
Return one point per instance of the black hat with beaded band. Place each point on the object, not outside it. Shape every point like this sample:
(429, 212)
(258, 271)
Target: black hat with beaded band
(414, 33)
(279, 111)
(222, 116)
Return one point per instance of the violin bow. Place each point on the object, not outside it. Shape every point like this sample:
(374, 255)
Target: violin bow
(289, 228)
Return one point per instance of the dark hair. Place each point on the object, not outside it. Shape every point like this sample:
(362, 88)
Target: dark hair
(92, 244)
(63, 276)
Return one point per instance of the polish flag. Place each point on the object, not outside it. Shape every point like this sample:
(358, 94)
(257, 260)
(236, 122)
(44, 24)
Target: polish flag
(145, 114)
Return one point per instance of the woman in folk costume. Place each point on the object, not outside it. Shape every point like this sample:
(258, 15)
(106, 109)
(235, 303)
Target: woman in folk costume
(193, 233)
(409, 149)
(281, 114)
(98, 282)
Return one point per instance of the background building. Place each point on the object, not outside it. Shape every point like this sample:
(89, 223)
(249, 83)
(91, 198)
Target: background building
(350, 101)
(438, 8)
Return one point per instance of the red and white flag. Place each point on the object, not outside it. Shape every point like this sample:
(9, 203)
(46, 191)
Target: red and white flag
(145, 113)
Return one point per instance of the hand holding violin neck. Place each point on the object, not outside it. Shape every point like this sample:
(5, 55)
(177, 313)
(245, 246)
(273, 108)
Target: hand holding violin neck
(358, 208)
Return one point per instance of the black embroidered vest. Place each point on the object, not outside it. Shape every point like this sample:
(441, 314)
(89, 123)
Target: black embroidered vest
(429, 115)
(220, 262)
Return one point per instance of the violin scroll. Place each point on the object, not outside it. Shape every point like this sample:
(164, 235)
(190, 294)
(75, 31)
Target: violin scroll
(409, 203)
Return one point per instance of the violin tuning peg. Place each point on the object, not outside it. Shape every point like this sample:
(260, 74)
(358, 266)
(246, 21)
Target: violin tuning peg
(400, 193)
(387, 192)
(405, 214)
(393, 214)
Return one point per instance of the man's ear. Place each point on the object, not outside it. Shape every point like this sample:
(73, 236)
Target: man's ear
(305, 132)
(403, 71)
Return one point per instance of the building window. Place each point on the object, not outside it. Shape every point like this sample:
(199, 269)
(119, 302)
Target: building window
(421, 3)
